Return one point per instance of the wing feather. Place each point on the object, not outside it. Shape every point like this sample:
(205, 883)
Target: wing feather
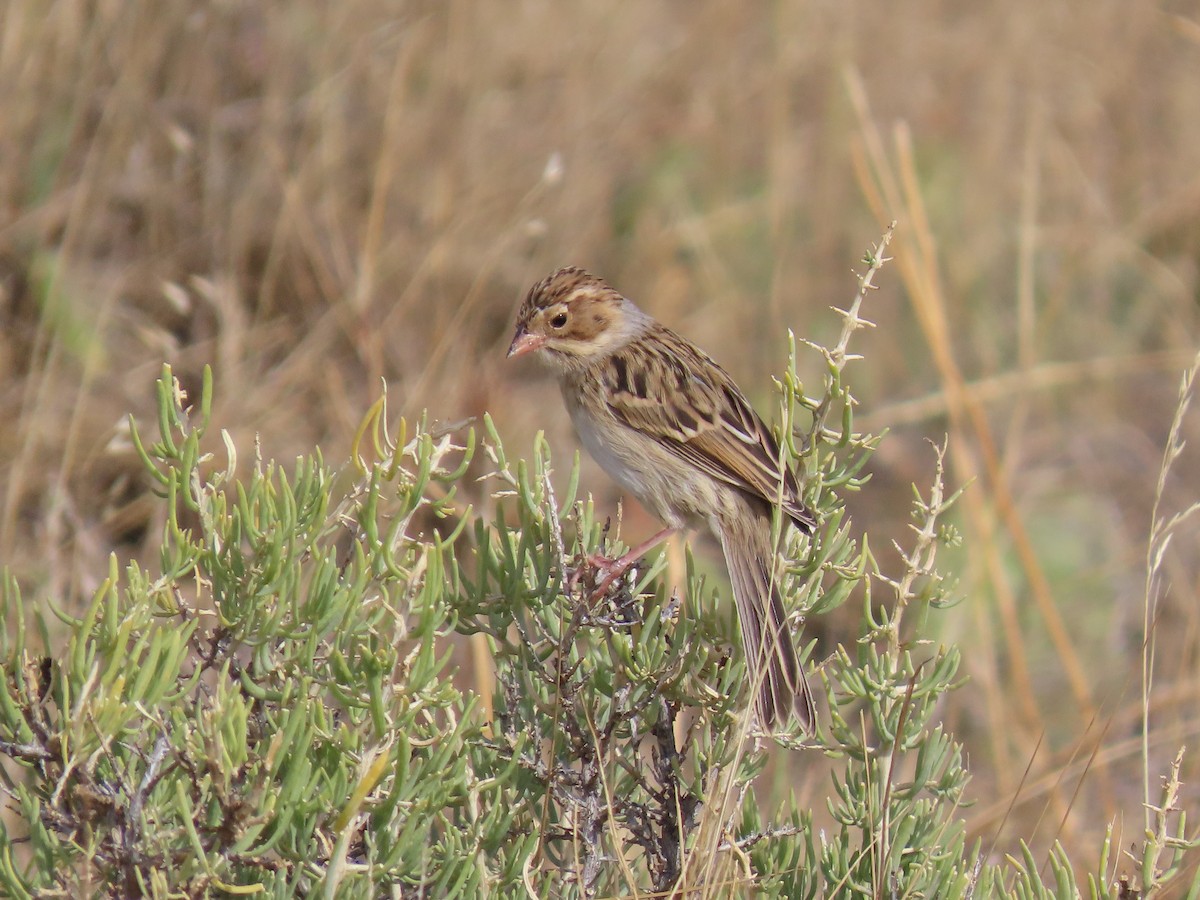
(667, 388)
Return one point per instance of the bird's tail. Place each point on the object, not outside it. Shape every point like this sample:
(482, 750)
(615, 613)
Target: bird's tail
(775, 673)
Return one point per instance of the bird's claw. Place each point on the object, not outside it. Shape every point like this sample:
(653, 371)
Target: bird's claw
(600, 572)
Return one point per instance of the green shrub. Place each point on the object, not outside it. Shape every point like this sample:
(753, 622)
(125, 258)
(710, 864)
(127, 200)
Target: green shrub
(272, 711)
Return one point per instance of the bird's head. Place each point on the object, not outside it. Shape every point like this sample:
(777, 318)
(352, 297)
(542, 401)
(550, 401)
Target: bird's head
(571, 318)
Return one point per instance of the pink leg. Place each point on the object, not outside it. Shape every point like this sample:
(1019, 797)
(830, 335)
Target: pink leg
(612, 569)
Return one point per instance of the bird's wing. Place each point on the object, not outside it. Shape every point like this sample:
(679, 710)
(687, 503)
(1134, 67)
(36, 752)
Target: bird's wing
(670, 390)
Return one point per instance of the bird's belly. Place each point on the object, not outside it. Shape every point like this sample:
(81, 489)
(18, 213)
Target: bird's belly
(662, 482)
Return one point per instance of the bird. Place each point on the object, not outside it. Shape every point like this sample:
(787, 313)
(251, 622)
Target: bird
(672, 428)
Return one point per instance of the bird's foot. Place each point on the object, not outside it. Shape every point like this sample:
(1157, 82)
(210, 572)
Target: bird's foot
(605, 569)
(598, 572)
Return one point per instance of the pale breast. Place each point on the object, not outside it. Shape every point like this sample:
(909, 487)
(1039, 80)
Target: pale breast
(676, 492)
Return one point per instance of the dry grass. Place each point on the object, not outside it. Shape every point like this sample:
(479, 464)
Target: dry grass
(315, 196)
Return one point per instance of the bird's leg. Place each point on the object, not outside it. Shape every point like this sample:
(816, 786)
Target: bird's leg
(612, 569)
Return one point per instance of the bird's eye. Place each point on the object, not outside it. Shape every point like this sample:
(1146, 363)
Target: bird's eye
(559, 321)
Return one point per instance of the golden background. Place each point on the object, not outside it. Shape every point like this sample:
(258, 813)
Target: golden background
(313, 197)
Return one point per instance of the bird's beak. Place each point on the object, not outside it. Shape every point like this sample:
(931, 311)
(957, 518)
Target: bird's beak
(523, 342)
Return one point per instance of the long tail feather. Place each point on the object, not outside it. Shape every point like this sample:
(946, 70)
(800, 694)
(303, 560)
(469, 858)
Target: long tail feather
(774, 669)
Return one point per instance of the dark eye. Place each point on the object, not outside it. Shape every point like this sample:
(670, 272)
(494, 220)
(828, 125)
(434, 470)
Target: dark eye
(559, 321)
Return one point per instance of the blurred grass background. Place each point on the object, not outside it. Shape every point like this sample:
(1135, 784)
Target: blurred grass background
(316, 196)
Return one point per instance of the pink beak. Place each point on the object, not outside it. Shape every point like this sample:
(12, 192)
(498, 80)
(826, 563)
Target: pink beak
(523, 342)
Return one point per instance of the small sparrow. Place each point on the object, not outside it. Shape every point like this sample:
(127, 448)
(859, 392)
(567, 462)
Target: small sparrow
(672, 428)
